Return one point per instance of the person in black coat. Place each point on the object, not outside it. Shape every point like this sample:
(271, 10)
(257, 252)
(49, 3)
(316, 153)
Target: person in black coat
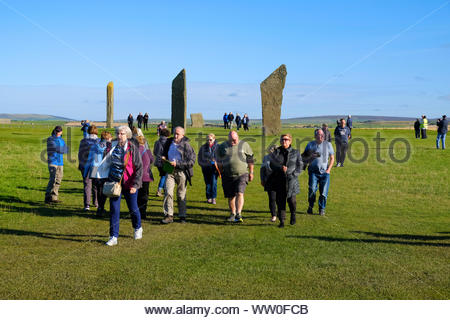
(286, 165)
(207, 161)
(442, 131)
(417, 128)
(130, 121)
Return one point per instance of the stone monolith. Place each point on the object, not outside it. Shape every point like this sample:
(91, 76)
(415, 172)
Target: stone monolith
(179, 100)
(271, 98)
(197, 120)
(110, 105)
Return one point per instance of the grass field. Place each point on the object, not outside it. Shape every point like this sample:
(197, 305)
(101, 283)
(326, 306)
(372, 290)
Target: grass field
(386, 234)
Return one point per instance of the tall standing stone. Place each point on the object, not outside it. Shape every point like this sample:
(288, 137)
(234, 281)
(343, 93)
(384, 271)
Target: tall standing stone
(110, 105)
(179, 100)
(197, 120)
(271, 98)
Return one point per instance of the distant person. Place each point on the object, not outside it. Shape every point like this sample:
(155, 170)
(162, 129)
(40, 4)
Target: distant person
(326, 132)
(245, 122)
(158, 152)
(84, 127)
(286, 165)
(319, 170)
(160, 127)
(417, 128)
(97, 168)
(207, 161)
(350, 123)
(238, 121)
(130, 121)
(83, 155)
(442, 125)
(56, 147)
(140, 119)
(147, 176)
(146, 121)
(341, 136)
(225, 121)
(126, 168)
(230, 120)
(234, 157)
(424, 127)
(180, 155)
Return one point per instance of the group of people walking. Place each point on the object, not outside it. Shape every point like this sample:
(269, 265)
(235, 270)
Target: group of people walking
(240, 121)
(142, 120)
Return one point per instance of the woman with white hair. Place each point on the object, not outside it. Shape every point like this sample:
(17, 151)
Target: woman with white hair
(126, 168)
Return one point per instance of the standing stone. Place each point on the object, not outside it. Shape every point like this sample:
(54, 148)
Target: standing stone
(179, 100)
(197, 120)
(110, 105)
(271, 98)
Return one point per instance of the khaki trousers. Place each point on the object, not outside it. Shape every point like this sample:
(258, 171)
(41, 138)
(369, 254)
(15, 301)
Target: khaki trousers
(179, 178)
(54, 182)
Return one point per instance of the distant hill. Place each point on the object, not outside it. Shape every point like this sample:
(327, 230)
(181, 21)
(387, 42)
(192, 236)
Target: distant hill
(356, 118)
(31, 117)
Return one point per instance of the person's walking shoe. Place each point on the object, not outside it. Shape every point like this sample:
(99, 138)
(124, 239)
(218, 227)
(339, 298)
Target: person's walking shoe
(86, 208)
(293, 219)
(213, 201)
(309, 210)
(159, 193)
(232, 217)
(338, 164)
(100, 212)
(111, 242)
(167, 220)
(209, 201)
(322, 212)
(182, 220)
(274, 218)
(138, 233)
(238, 218)
(342, 165)
(282, 219)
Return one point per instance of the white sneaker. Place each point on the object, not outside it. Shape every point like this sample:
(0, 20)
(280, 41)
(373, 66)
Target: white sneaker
(112, 241)
(138, 233)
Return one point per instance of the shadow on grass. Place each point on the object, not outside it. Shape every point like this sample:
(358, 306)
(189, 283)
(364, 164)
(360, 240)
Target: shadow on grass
(403, 236)
(62, 189)
(64, 180)
(411, 243)
(55, 236)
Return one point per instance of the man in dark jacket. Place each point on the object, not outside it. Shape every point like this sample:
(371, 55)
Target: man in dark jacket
(341, 134)
(442, 131)
(417, 128)
(230, 120)
(158, 150)
(180, 157)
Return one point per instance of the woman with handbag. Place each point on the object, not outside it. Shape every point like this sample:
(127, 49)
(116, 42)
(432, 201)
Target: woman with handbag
(125, 174)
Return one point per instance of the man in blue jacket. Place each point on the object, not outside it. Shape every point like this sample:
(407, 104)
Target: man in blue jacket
(56, 147)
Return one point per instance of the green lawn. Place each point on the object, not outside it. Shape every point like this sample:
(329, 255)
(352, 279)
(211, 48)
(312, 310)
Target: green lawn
(386, 234)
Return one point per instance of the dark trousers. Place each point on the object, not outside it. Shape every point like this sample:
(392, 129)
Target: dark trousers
(210, 178)
(424, 133)
(145, 125)
(272, 202)
(89, 191)
(225, 124)
(341, 152)
(142, 199)
(97, 185)
(114, 218)
(245, 127)
(139, 124)
(277, 199)
(417, 133)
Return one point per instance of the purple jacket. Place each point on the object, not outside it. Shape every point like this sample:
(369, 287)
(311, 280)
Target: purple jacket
(147, 162)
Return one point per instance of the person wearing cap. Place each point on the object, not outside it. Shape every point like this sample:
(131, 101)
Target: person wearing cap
(56, 147)
(442, 131)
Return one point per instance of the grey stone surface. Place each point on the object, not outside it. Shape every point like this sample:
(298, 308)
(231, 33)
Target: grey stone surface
(110, 105)
(5, 121)
(197, 120)
(179, 100)
(272, 98)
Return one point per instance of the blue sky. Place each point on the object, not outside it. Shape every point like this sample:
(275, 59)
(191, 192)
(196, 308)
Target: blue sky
(342, 57)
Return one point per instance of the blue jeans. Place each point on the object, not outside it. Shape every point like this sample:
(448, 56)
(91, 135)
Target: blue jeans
(210, 177)
(321, 180)
(114, 218)
(440, 136)
(162, 182)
